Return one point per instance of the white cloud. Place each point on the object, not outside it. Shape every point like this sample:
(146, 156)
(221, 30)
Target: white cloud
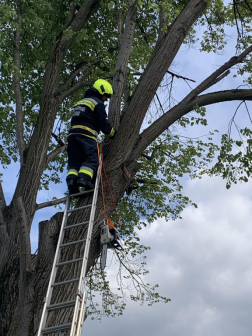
(203, 263)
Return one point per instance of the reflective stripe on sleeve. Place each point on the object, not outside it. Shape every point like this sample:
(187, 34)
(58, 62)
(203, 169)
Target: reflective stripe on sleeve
(112, 132)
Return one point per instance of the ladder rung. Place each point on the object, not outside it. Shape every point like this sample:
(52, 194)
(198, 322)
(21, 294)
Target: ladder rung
(83, 207)
(73, 242)
(75, 225)
(61, 305)
(68, 262)
(56, 328)
(65, 282)
(82, 193)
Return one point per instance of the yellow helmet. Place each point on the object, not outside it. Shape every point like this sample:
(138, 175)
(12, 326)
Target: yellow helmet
(103, 87)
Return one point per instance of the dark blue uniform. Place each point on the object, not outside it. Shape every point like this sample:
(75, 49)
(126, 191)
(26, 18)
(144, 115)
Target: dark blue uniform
(88, 119)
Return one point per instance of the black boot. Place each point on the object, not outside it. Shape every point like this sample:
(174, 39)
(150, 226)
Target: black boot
(72, 186)
(84, 183)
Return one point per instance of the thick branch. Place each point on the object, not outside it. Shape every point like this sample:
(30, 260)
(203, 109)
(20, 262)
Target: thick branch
(220, 73)
(50, 203)
(190, 100)
(160, 125)
(17, 88)
(70, 17)
(160, 61)
(84, 13)
(121, 66)
(163, 22)
(119, 26)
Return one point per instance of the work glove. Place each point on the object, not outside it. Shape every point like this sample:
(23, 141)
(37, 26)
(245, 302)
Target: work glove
(112, 138)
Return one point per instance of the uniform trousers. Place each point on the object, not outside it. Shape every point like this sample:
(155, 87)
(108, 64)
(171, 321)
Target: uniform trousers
(82, 157)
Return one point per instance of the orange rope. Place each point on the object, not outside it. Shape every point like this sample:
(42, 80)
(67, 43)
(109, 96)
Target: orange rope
(111, 194)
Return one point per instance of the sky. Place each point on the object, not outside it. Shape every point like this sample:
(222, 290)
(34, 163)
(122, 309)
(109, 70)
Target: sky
(201, 262)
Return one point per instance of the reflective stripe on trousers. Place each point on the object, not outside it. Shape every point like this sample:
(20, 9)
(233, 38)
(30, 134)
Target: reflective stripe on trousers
(86, 170)
(72, 172)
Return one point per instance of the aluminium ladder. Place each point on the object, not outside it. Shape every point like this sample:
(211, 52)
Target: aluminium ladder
(79, 303)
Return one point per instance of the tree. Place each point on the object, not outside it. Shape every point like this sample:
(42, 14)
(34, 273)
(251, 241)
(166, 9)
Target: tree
(50, 52)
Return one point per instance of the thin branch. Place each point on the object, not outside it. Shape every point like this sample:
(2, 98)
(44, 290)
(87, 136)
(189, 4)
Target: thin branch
(55, 153)
(17, 87)
(50, 203)
(232, 119)
(248, 112)
(80, 84)
(178, 76)
(59, 141)
(184, 107)
(150, 157)
(160, 103)
(79, 67)
(170, 92)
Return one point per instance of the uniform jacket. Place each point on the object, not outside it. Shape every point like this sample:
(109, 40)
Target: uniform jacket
(89, 116)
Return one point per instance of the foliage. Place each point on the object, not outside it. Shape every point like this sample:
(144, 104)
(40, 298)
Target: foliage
(234, 160)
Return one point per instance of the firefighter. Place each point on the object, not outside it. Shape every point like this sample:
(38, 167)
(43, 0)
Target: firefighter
(88, 119)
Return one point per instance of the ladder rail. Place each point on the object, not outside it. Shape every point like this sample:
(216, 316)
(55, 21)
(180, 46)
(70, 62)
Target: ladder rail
(76, 324)
(54, 270)
(81, 315)
(85, 257)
